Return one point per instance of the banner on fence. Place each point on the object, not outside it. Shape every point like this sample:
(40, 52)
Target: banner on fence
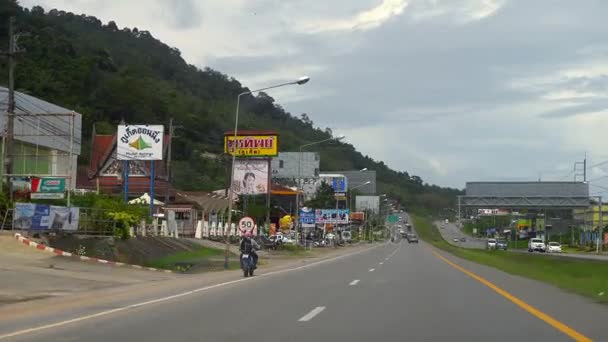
(335, 216)
(30, 216)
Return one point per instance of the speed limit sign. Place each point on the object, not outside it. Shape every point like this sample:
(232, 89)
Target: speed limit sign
(246, 224)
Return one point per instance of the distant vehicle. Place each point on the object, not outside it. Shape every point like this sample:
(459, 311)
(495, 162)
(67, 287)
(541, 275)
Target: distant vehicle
(447, 221)
(408, 227)
(281, 239)
(347, 236)
(491, 244)
(554, 247)
(501, 244)
(536, 244)
(463, 239)
(456, 240)
(412, 238)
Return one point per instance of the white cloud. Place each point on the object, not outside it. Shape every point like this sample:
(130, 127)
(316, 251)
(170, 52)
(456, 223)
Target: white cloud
(458, 11)
(364, 20)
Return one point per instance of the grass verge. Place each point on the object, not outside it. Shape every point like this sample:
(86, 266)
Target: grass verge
(183, 261)
(586, 277)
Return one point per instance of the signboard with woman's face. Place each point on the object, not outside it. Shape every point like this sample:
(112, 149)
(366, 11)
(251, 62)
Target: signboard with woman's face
(250, 176)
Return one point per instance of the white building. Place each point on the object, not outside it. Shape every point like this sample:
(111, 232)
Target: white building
(47, 138)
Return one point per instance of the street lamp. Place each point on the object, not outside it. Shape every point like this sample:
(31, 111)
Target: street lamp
(356, 187)
(338, 138)
(299, 81)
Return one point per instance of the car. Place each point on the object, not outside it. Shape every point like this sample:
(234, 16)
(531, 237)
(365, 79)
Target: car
(463, 239)
(491, 244)
(554, 247)
(447, 221)
(501, 244)
(456, 240)
(536, 244)
(412, 238)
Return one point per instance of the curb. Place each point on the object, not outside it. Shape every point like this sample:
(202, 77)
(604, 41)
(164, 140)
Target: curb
(59, 252)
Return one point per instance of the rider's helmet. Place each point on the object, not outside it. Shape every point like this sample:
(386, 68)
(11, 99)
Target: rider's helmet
(247, 234)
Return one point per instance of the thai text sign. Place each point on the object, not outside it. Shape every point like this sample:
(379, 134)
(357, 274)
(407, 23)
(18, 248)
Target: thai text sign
(252, 145)
(139, 142)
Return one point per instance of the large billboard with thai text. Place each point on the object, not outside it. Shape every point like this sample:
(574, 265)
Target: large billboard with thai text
(252, 145)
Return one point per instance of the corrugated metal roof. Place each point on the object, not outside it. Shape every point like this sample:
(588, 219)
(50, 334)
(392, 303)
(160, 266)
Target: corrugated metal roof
(527, 189)
(49, 131)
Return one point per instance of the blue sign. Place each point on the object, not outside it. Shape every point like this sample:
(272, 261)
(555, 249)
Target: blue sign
(339, 184)
(307, 216)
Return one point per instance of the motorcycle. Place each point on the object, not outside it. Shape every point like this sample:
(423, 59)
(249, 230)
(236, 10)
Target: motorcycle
(247, 265)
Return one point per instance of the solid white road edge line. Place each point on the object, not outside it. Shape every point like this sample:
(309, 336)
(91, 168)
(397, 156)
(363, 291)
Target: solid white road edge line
(163, 299)
(311, 314)
(354, 282)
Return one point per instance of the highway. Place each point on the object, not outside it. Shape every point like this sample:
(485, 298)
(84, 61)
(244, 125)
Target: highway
(393, 291)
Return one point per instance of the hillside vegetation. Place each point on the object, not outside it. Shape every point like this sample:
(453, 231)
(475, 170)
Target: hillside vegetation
(109, 73)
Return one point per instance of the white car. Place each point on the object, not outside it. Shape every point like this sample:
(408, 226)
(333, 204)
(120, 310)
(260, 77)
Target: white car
(536, 244)
(491, 244)
(554, 247)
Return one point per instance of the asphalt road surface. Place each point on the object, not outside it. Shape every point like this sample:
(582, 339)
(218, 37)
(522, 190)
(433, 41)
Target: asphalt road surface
(450, 231)
(397, 292)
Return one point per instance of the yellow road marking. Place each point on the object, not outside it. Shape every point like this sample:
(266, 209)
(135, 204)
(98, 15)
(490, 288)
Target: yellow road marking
(532, 310)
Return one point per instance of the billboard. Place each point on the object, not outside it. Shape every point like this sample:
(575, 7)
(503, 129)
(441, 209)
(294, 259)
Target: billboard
(335, 216)
(363, 203)
(307, 217)
(30, 216)
(252, 145)
(250, 176)
(296, 165)
(140, 142)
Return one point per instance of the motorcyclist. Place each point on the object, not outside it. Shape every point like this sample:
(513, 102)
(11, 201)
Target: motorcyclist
(249, 246)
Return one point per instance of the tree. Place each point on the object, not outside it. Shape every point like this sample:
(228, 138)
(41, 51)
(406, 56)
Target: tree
(324, 197)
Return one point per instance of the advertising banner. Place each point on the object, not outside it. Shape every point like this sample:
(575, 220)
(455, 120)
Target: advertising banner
(252, 145)
(335, 216)
(140, 142)
(30, 216)
(307, 217)
(372, 203)
(48, 185)
(250, 176)
(64, 218)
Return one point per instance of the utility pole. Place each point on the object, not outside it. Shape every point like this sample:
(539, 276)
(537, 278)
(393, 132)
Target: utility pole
(10, 112)
(169, 145)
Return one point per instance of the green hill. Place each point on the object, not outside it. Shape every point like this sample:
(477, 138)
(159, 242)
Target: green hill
(109, 74)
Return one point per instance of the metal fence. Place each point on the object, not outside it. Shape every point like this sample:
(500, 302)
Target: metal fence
(91, 221)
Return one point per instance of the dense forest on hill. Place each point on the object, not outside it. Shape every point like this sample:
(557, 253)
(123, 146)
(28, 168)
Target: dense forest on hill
(109, 73)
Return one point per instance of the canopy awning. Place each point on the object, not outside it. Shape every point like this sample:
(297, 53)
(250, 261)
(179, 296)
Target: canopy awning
(145, 199)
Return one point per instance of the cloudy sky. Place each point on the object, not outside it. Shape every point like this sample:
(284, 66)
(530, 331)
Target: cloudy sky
(451, 90)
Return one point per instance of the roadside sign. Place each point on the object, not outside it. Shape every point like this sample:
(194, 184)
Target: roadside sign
(393, 218)
(246, 224)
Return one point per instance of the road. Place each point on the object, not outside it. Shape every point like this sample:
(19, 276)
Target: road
(393, 291)
(450, 231)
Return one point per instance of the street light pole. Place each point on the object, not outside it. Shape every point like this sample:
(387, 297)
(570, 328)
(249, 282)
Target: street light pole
(300, 81)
